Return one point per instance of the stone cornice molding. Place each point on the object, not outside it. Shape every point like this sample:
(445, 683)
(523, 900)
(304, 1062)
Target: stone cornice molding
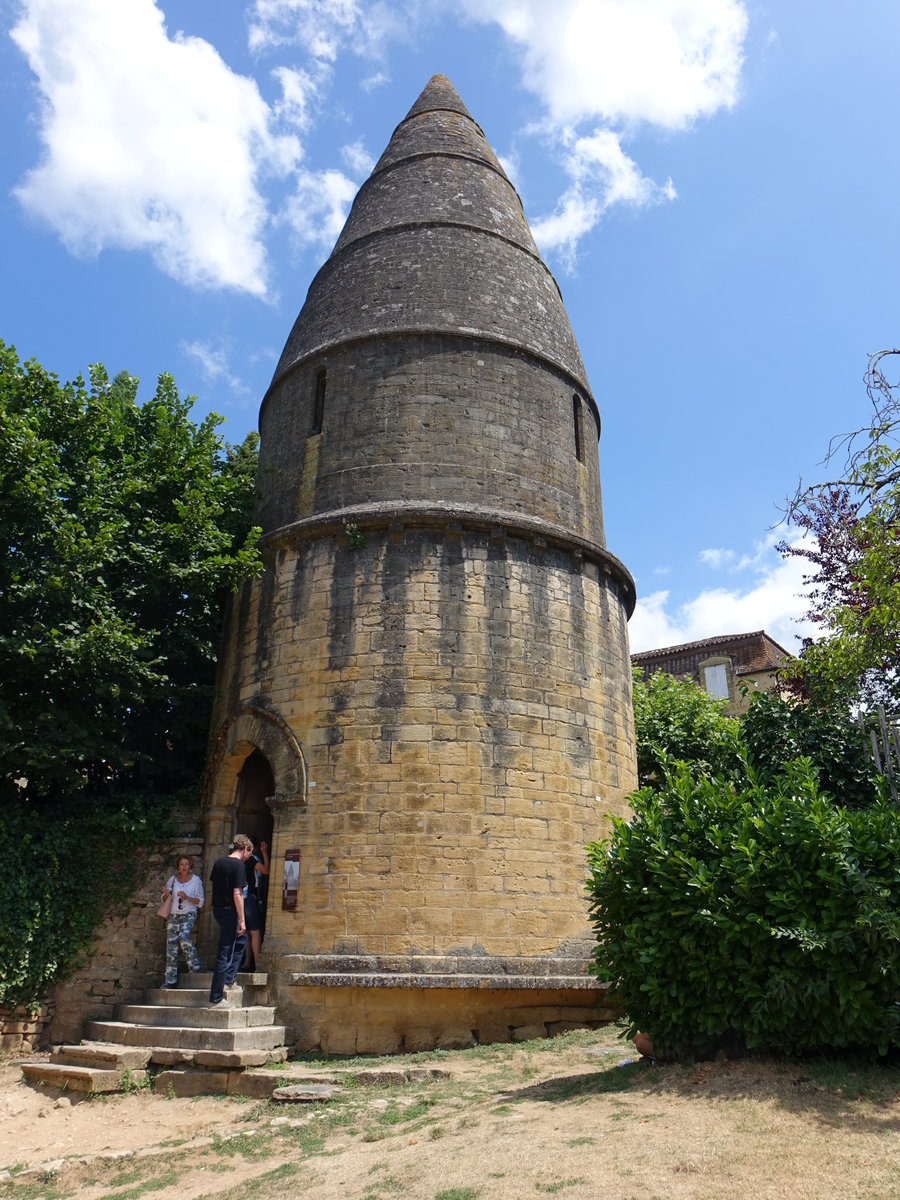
(453, 517)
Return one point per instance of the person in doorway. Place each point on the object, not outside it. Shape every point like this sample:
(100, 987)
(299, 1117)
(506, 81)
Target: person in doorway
(186, 890)
(257, 870)
(228, 878)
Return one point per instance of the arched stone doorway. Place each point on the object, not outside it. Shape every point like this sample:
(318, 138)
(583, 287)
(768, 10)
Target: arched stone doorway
(256, 783)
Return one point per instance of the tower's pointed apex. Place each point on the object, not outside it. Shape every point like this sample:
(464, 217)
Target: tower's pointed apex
(437, 240)
(438, 93)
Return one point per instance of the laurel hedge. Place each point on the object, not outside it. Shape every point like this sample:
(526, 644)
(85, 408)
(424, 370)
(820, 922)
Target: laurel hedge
(756, 914)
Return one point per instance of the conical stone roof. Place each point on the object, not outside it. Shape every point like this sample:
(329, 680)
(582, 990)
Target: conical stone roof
(437, 242)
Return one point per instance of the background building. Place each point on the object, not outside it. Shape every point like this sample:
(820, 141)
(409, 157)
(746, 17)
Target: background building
(721, 665)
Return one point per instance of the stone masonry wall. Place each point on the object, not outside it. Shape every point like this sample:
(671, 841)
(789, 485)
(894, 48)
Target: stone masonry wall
(463, 703)
(128, 954)
(430, 420)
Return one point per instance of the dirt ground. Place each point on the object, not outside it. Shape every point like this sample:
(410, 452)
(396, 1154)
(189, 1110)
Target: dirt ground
(577, 1117)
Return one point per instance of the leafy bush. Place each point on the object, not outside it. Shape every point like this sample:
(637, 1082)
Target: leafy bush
(69, 871)
(776, 731)
(762, 913)
(122, 528)
(676, 721)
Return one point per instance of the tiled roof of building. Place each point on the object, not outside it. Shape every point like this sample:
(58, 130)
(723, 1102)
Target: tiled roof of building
(751, 651)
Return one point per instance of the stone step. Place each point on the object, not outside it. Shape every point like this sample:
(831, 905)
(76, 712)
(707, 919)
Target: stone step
(256, 1085)
(198, 997)
(507, 983)
(174, 1056)
(81, 1079)
(233, 1059)
(244, 979)
(220, 1016)
(103, 1055)
(123, 1033)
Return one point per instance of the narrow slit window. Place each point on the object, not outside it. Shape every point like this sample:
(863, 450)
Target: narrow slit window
(576, 419)
(319, 410)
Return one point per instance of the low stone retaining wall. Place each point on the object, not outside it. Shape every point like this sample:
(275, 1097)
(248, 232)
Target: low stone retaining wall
(386, 1004)
(128, 955)
(21, 1030)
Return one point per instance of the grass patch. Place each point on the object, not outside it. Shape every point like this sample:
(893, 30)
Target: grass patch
(260, 1188)
(248, 1145)
(169, 1179)
(852, 1079)
(389, 1186)
(125, 1177)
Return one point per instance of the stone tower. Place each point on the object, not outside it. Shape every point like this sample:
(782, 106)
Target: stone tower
(427, 696)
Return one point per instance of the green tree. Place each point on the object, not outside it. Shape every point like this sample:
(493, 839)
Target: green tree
(122, 528)
(676, 721)
(757, 913)
(776, 730)
(854, 553)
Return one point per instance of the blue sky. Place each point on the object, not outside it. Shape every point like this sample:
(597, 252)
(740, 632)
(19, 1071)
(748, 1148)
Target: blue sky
(713, 183)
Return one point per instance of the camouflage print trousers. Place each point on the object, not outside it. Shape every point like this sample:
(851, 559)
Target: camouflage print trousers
(178, 933)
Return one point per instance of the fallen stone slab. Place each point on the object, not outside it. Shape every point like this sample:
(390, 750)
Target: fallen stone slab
(171, 1056)
(379, 1077)
(529, 1033)
(260, 1084)
(191, 1083)
(100, 1054)
(237, 1059)
(306, 1093)
(426, 1074)
(92, 1080)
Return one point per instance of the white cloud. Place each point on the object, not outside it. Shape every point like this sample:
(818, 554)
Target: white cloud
(150, 142)
(358, 159)
(299, 90)
(601, 155)
(324, 27)
(774, 600)
(614, 66)
(666, 62)
(214, 365)
(318, 209)
(376, 80)
(603, 175)
(716, 558)
(319, 24)
(575, 215)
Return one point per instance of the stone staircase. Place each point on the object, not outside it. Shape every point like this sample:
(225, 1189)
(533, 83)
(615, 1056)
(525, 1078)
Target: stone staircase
(206, 1048)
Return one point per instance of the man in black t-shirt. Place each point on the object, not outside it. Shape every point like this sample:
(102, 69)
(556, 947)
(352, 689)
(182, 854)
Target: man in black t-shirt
(228, 878)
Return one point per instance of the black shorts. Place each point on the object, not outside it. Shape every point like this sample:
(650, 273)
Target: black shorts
(252, 914)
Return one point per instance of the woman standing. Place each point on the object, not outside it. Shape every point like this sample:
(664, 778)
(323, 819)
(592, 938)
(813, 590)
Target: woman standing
(186, 891)
(257, 870)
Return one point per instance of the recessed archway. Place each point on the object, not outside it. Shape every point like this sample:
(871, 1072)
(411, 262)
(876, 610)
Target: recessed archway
(255, 776)
(248, 732)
